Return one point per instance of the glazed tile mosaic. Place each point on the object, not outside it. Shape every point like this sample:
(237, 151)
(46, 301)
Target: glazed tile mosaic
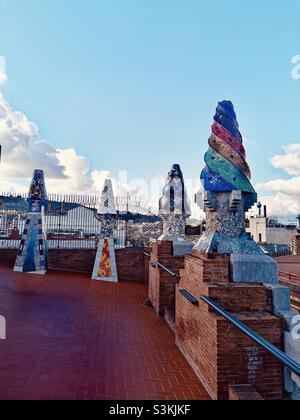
(32, 254)
(174, 207)
(107, 203)
(228, 192)
(226, 166)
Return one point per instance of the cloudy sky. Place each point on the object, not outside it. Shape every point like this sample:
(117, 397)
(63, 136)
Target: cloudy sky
(90, 88)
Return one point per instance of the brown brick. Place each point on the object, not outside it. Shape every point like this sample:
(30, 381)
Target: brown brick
(243, 393)
(162, 286)
(130, 262)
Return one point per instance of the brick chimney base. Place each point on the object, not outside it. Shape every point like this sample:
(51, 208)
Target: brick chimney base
(220, 354)
(162, 286)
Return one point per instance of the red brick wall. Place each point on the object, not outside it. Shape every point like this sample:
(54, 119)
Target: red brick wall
(130, 261)
(208, 267)
(240, 360)
(219, 353)
(131, 264)
(162, 286)
(8, 257)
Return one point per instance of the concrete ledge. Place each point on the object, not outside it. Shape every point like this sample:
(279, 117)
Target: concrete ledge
(181, 248)
(296, 396)
(292, 349)
(249, 268)
(288, 317)
(281, 298)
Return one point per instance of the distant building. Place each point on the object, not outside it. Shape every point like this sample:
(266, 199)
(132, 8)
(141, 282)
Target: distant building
(295, 246)
(266, 231)
(269, 233)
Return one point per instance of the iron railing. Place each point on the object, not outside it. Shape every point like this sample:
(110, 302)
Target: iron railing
(278, 354)
(163, 267)
(72, 222)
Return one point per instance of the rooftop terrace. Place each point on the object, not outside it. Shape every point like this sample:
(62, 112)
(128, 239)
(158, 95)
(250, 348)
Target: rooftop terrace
(71, 338)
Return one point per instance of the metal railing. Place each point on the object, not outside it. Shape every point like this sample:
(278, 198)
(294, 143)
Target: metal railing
(71, 221)
(163, 267)
(278, 354)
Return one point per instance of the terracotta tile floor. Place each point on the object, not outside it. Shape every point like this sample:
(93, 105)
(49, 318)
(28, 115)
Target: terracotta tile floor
(71, 338)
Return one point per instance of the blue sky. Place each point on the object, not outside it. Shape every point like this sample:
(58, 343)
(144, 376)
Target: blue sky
(133, 84)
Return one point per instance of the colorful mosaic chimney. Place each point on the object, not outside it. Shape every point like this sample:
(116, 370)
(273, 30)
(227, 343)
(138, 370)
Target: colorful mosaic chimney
(226, 165)
(32, 254)
(228, 195)
(105, 268)
(174, 208)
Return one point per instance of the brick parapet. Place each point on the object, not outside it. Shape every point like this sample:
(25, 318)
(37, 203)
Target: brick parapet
(219, 353)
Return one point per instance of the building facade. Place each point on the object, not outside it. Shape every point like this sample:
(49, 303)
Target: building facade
(266, 231)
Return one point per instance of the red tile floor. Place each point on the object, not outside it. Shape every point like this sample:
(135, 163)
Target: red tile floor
(71, 338)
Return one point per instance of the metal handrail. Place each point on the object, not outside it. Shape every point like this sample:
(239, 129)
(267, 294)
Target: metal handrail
(278, 354)
(166, 269)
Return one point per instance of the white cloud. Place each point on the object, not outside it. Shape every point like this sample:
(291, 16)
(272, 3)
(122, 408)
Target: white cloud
(288, 187)
(3, 76)
(76, 170)
(23, 150)
(281, 204)
(283, 195)
(290, 160)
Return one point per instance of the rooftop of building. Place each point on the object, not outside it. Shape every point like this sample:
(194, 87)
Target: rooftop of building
(71, 338)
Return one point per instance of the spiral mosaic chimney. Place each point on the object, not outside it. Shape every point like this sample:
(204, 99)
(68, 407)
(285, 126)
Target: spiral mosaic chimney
(174, 209)
(32, 253)
(228, 195)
